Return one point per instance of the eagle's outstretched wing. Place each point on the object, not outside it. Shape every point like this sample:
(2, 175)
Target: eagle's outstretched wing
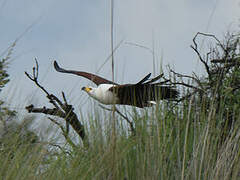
(94, 78)
(141, 94)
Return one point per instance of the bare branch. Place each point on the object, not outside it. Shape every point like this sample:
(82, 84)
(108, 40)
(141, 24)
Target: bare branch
(64, 98)
(233, 60)
(35, 78)
(45, 110)
(123, 116)
(201, 59)
(36, 82)
(54, 100)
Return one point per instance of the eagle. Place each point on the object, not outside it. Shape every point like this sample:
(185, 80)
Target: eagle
(144, 93)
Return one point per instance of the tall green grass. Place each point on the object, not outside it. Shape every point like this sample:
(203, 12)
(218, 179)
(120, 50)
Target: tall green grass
(181, 141)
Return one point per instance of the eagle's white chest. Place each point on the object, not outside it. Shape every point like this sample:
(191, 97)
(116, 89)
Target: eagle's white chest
(103, 95)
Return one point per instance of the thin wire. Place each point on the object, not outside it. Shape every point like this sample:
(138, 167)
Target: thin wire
(112, 50)
(114, 108)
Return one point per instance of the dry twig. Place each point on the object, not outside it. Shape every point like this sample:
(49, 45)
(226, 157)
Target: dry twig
(124, 117)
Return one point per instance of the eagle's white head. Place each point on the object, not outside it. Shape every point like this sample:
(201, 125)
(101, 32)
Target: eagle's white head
(102, 93)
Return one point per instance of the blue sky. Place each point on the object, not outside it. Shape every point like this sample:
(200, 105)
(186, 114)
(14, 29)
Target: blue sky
(77, 34)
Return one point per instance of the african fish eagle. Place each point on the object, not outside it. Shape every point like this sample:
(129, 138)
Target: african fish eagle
(142, 94)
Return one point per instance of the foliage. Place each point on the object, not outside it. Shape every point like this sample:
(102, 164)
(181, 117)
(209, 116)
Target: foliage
(17, 143)
(5, 113)
(3, 74)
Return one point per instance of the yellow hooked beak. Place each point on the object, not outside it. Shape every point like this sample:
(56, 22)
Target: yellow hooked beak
(87, 89)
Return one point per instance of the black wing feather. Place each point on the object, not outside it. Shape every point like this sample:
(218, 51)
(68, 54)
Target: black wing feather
(144, 79)
(140, 94)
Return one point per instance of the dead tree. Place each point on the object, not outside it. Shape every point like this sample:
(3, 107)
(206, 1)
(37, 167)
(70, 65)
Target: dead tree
(60, 109)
